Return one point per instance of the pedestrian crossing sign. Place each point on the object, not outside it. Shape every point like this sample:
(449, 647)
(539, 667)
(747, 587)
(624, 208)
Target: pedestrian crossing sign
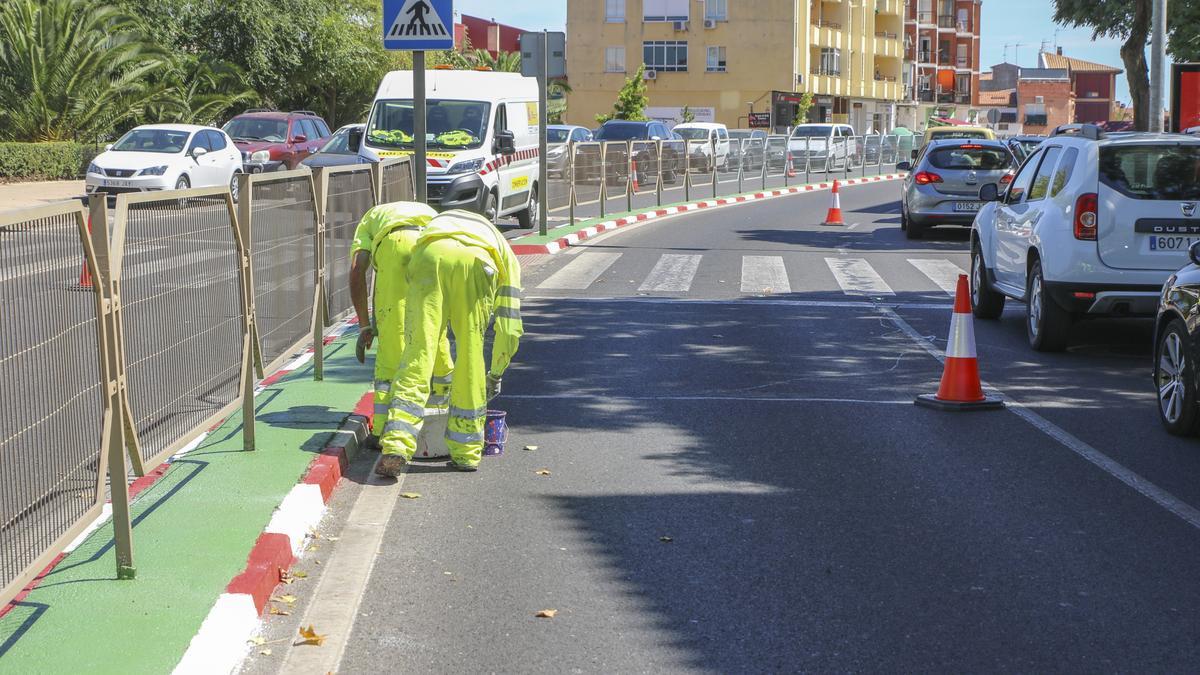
(418, 25)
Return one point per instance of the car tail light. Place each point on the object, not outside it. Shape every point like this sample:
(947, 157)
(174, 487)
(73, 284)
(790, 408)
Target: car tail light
(970, 146)
(926, 177)
(1086, 217)
(1006, 179)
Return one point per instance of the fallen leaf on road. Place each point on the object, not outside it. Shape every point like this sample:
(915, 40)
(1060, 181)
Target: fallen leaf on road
(286, 577)
(289, 599)
(300, 575)
(531, 448)
(546, 614)
(310, 637)
(543, 472)
(331, 538)
(411, 495)
(280, 612)
(665, 539)
(265, 652)
(258, 641)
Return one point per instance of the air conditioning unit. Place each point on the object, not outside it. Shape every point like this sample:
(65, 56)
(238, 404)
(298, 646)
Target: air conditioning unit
(1039, 99)
(681, 26)
(650, 75)
(710, 24)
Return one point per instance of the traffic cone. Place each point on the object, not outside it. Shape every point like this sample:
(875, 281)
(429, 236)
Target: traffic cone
(791, 168)
(634, 177)
(834, 216)
(961, 389)
(85, 274)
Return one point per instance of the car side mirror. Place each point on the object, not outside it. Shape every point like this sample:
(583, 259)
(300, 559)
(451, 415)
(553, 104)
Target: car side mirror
(904, 166)
(506, 143)
(989, 192)
(354, 140)
(108, 147)
(197, 153)
(300, 138)
(1194, 253)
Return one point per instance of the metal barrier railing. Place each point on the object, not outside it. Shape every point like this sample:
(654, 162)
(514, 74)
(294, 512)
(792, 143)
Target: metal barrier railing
(616, 178)
(141, 337)
(396, 181)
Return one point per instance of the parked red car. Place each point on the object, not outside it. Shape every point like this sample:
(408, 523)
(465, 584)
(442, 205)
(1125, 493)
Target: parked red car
(271, 140)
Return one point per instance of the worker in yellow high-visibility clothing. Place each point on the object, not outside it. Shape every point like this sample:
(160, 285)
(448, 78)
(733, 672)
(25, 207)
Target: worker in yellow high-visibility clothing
(462, 273)
(385, 239)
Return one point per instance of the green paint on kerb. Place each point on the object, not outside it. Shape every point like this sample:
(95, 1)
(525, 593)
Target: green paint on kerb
(193, 531)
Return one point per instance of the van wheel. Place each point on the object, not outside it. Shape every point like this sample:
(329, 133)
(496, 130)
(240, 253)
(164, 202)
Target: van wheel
(1046, 323)
(985, 301)
(490, 211)
(527, 218)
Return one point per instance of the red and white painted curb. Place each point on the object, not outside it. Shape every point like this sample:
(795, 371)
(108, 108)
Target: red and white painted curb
(607, 226)
(224, 638)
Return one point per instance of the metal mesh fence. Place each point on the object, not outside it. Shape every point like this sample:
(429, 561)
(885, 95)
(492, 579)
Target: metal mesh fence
(674, 170)
(645, 167)
(700, 163)
(349, 196)
(729, 166)
(778, 151)
(283, 253)
(616, 176)
(179, 274)
(588, 172)
(558, 173)
(50, 386)
(398, 183)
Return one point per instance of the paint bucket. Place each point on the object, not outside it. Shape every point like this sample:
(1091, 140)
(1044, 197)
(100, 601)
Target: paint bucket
(495, 433)
(431, 442)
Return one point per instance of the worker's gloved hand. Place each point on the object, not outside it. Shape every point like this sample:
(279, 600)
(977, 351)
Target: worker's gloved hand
(493, 386)
(366, 337)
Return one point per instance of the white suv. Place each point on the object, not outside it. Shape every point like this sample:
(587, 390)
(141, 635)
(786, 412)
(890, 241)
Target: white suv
(1092, 225)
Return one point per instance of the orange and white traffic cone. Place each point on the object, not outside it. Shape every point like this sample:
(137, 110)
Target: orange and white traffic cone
(961, 389)
(834, 216)
(634, 177)
(791, 167)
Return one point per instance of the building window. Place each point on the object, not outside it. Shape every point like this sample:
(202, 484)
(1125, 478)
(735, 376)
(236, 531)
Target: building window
(614, 11)
(717, 10)
(1035, 114)
(665, 56)
(665, 10)
(831, 61)
(614, 59)
(716, 60)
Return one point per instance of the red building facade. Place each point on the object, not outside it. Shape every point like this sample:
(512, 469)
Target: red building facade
(489, 35)
(941, 43)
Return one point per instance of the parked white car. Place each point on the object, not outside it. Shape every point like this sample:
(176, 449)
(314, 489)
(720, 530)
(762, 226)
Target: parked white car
(825, 146)
(706, 140)
(166, 157)
(1092, 225)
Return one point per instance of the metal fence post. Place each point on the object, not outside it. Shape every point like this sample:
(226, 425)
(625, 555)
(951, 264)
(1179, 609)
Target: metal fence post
(116, 248)
(629, 164)
(713, 169)
(603, 177)
(687, 171)
(572, 197)
(116, 404)
(251, 353)
(320, 191)
(377, 181)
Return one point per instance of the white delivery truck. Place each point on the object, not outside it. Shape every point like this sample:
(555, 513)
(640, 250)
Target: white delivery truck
(482, 138)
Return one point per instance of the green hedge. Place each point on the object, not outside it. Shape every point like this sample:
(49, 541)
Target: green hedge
(45, 161)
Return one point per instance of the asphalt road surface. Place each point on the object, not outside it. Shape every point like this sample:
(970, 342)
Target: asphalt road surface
(739, 481)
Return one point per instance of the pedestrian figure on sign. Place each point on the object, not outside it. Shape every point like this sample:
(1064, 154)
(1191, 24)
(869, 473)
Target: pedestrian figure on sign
(419, 10)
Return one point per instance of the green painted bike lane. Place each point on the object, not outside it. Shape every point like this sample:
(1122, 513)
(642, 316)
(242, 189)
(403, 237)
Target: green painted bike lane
(193, 530)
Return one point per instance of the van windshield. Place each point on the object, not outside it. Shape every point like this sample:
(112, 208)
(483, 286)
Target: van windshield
(819, 131)
(1169, 172)
(450, 125)
(692, 133)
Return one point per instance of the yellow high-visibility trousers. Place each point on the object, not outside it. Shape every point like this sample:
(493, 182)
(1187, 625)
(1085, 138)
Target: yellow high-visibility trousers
(452, 286)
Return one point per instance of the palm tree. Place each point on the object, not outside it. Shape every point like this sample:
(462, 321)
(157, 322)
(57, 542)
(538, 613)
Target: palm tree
(502, 62)
(71, 68)
(199, 92)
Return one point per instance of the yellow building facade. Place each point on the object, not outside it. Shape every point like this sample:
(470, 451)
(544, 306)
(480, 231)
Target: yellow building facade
(726, 59)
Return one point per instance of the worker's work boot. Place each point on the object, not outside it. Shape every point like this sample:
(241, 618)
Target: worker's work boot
(461, 467)
(390, 466)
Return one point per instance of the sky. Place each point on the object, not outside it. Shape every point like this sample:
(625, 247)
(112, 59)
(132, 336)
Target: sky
(1028, 22)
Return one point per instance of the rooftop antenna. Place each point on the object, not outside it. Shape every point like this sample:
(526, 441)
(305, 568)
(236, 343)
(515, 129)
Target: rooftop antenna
(1005, 59)
(1056, 32)
(1017, 53)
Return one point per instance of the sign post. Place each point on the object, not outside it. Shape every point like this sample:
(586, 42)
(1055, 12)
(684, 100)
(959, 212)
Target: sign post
(419, 26)
(543, 55)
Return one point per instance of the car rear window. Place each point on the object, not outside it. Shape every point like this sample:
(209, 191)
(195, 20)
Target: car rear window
(953, 133)
(977, 158)
(1169, 172)
(622, 132)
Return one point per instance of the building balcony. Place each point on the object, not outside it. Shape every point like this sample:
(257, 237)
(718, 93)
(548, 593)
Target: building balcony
(962, 98)
(964, 28)
(945, 23)
(925, 18)
(826, 23)
(889, 7)
(925, 96)
(962, 62)
(825, 71)
(886, 35)
(924, 57)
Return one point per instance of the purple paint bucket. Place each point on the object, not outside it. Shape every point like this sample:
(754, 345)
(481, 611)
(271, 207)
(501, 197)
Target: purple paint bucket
(495, 433)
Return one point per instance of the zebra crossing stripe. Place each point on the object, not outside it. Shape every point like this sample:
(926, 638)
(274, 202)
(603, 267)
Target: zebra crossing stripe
(942, 272)
(581, 272)
(672, 274)
(857, 277)
(764, 274)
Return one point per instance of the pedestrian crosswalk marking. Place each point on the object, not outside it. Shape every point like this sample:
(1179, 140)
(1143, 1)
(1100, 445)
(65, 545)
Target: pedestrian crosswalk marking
(764, 274)
(581, 272)
(857, 277)
(672, 274)
(942, 272)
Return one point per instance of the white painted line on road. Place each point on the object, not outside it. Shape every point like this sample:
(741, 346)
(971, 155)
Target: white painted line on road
(751, 302)
(581, 272)
(942, 272)
(857, 277)
(340, 588)
(723, 399)
(1098, 459)
(764, 274)
(673, 273)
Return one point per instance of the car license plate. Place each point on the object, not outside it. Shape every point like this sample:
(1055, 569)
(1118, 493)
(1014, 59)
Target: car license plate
(1169, 244)
(967, 206)
(118, 183)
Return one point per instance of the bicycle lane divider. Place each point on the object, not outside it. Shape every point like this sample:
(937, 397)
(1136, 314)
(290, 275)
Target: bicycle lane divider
(564, 237)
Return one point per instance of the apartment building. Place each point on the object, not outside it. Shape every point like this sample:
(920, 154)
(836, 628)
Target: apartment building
(726, 59)
(1093, 86)
(941, 60)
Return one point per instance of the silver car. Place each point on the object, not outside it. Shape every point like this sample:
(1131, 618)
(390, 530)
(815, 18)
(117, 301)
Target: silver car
(942, 187)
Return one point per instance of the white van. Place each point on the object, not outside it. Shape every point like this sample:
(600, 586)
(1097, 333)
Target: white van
(482, 131)
(716, 141)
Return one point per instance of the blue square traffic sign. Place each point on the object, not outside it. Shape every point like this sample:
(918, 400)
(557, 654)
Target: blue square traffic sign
(426, 25)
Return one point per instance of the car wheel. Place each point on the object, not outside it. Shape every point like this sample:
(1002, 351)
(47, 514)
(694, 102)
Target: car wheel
(527, 218)
(182, 183)
(1174, 377)
(903, 218)
(914, 230)
(986, 303)
(1046, 323)
(233, 186)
